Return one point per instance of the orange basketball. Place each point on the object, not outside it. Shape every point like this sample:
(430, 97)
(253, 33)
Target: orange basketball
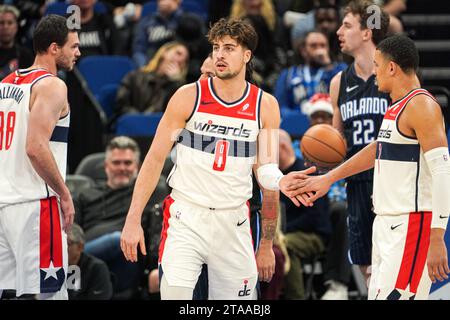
(323, 145)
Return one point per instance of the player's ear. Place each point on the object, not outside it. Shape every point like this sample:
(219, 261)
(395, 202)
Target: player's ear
(53, 48)
(247, 55)
(392, 67)
(367, 35)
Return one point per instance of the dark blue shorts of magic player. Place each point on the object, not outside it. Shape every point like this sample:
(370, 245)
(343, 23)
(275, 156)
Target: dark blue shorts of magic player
(360, 221)
(201, 289)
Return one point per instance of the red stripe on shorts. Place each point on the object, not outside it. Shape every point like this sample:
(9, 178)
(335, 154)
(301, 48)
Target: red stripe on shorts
(422, 252)
(50, 244)
(166, 215)
(415, 251)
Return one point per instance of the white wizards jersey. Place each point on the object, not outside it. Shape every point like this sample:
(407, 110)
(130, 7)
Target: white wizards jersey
(216, 150)
(402, 180)
(19, 182)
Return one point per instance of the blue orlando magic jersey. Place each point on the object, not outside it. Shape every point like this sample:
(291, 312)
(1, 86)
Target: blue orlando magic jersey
(362, 109)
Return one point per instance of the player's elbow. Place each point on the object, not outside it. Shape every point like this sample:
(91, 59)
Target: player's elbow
(33, 148)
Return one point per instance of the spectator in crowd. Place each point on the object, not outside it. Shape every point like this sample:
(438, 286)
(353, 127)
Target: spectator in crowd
(309, 21)
(337, 268)
(155, 29)
(126, 15)
(149, 89)
(98, 34)
(31, 11)
(394, 8)
(191, 32)
(12, 54)
(297, 84)
(207, 68)
(269, 56)
(307, 228)
(101, 212)
(92, 280)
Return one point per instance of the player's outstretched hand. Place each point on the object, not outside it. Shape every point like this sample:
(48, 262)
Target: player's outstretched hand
(315, 187)
(132, 235)
(437, 262)
(288, 185)
(68, 210)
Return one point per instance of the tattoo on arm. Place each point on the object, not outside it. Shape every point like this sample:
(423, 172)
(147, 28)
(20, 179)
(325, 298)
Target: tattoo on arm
(269, 227)
(269, 212)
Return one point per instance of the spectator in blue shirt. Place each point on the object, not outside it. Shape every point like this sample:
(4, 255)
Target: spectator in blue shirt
(297, 84)
(155, 29)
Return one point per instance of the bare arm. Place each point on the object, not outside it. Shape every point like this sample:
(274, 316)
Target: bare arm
(334, 94)
(362, 161)
(267, 153)
(423, 118)
(49, 102)
(178, 111)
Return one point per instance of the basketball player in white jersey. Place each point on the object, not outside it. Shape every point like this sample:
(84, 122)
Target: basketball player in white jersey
(411, 180)
(35, 203)
(222, 120)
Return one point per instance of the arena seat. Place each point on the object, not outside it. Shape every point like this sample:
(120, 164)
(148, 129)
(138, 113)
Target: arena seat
(60, 8)
(102, 70)
(143, 125)
(78, 182)
(92, 166)
(107, 98)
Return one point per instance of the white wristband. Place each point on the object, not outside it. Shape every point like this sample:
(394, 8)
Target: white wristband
(438, 162)
(269, 176)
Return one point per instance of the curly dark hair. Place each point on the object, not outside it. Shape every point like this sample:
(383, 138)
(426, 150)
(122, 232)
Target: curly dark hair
(239, 30)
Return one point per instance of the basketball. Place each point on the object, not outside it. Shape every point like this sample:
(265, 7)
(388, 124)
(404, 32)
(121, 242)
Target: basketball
(323, 145)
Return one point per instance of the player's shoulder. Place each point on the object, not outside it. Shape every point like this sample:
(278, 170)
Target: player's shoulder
(336, 80)
(269, 110)
(268, 100)
(187, 91)
(52, 83)
(183, 100)
(423, 102)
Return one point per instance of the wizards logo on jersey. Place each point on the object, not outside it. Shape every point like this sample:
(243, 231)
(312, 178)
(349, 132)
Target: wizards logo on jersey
(51, 258)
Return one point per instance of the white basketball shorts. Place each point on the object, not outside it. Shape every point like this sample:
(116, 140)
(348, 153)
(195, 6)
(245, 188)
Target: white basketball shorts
(399, 256)
(193, 236)
(33, 247)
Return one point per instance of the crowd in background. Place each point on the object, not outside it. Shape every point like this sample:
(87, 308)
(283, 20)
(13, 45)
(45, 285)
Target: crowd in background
(297, 55)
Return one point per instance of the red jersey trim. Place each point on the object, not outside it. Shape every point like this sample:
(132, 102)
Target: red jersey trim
(245, 108)
(20, 77)
(393, 112)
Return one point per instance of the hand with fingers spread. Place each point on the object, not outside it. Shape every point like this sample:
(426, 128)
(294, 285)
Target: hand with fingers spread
(290, 183)
(132, 235)
(437, 262)
(265, 262)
